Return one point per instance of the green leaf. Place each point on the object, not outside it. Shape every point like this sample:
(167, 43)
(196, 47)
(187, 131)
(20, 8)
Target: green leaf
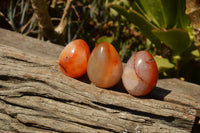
(175, 39)
(163, 64)
(160, 12)
(113, 13)
(195, 53)
(134, 17)
(104, 39)
(182, 19)
(170, 9)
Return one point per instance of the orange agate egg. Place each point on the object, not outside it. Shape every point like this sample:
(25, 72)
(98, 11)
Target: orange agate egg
(74, 58)
(140, 74)
(104, 66)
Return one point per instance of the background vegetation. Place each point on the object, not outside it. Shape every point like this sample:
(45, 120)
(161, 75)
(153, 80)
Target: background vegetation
(158, 26)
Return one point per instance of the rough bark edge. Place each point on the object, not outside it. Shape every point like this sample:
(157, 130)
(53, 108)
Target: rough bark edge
(193, 12)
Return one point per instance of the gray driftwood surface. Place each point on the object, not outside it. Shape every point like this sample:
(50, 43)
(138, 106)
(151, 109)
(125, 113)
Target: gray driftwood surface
(36, 97)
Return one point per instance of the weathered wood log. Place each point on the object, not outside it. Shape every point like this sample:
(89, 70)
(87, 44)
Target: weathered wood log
(36, 97)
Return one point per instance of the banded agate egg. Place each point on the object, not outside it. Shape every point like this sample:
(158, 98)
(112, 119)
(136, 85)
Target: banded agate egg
(74, 58)
(104, 66)
(140, 74)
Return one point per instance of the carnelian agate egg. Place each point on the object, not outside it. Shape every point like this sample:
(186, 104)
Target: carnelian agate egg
(140, 74)
(74, 58)
(104, 66)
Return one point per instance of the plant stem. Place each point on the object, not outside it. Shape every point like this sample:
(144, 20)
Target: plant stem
(57, 34)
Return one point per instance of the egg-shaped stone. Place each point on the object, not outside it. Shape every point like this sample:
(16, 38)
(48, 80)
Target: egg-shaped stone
(74, 58)
(104, 66)
(140, 74)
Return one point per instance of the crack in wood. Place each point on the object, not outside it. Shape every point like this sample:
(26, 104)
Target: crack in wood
(11, 78)
(163, 119)
(14, 104)
(135, 112)
(95, 127)
(1, 87)
(33, 64)
(31, 122)
(40, 127)
(17, 59)
(14, 79)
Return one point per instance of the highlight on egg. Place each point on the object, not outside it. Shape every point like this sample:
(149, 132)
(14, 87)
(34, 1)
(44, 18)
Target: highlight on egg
(74, 58)
(104, 66)
(140, 74)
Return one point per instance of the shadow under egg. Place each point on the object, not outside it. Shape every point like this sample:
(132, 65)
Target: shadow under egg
(157, 93)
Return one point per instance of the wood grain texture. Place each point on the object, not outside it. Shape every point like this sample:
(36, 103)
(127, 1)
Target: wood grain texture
(36, 97)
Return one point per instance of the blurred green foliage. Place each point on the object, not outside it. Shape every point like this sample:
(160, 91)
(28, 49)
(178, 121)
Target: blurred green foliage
(164, 22)
(158, 26)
